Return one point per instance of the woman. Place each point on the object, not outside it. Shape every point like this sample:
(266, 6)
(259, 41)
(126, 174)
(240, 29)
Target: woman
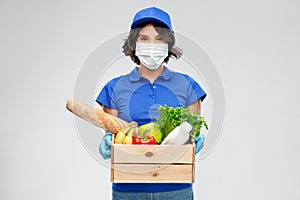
(136, 96)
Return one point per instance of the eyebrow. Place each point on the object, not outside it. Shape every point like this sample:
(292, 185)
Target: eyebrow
(148, 36)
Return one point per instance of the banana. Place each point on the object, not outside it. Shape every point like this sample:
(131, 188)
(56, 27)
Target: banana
(130, 134)
(125, 135)
(128, 139)
(121, 135)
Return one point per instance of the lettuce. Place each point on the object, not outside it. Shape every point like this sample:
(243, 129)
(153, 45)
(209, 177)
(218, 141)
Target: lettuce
(170, 117)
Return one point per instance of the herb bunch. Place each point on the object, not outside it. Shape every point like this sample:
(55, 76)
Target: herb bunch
(170, 118)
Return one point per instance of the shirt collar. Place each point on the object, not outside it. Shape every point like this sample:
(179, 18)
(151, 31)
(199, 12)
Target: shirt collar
(135, 75)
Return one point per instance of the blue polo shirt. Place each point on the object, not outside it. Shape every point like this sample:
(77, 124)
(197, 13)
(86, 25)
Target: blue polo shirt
(137, 99)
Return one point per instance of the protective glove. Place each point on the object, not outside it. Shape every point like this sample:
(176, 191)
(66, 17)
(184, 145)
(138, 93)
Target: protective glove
(199, 141)
(105, 145)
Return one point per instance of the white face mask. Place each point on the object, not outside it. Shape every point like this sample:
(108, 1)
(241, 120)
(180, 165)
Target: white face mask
(151, 55)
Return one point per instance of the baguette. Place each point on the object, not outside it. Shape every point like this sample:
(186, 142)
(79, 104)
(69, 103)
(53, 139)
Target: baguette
(96, 116)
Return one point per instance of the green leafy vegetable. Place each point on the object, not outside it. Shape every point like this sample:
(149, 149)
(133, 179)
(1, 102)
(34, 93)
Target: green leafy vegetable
(170, 118)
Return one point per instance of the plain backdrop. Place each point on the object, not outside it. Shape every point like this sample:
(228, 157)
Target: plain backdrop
(254, 44)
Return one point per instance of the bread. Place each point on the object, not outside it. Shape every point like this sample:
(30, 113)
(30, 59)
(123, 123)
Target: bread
(96, 116)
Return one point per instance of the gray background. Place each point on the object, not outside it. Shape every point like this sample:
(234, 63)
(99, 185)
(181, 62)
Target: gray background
(254, 45)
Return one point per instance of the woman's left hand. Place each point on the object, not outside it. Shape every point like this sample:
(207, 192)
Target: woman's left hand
(199, 141)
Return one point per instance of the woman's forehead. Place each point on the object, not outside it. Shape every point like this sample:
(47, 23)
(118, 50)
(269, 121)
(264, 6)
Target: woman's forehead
(148, 30)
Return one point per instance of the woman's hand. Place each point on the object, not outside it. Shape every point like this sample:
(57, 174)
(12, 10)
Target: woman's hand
(105, 145)
(199, 142)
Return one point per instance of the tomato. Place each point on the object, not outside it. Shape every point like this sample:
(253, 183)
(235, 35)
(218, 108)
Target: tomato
(143, 140)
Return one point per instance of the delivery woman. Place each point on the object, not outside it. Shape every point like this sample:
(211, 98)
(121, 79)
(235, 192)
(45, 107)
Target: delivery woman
(136, 96)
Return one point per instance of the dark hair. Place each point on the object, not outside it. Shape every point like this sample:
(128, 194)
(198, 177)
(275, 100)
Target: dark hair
(166, 34)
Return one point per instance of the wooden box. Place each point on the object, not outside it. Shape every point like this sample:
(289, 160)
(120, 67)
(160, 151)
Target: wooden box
(152, 163)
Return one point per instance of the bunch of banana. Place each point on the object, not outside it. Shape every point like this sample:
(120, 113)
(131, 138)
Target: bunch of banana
(125, 135)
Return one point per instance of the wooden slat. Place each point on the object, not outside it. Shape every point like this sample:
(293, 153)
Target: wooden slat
(153, 153)
(112, 158)
(151, 173)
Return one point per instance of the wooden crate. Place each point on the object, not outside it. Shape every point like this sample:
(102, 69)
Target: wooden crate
(153, 163)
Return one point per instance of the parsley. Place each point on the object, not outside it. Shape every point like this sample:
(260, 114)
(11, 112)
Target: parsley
(170, 118)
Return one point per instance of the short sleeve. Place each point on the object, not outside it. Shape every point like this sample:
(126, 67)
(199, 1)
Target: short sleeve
(195, 91)
(105, 95)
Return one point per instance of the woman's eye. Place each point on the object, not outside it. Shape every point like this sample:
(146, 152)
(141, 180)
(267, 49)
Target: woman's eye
(143, 39)
(160, 39)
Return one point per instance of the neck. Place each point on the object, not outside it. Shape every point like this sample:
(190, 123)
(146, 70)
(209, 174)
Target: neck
(151, 75)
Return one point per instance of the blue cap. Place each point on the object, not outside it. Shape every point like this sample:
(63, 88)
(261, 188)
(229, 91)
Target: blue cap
(154, 15)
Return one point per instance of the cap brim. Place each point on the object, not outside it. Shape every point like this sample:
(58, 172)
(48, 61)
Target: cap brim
(140, 23)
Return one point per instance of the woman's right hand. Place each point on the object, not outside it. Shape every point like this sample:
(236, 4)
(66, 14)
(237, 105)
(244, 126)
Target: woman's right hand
(105, 145)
